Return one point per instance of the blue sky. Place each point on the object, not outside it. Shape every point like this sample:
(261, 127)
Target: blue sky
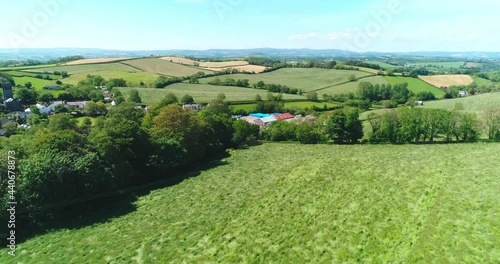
(376, 25)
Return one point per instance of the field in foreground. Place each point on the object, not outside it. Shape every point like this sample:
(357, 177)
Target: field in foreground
(288, 203)
(203, 93)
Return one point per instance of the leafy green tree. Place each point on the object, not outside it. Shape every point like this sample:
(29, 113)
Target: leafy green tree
(61, 122)
(308, 133)
(312, 96)
(258, 97)
(244, 133)
(46, 97)
(221, 97)
(28, 85)
(116, 82)
(281, 131)
(170, 98)
(134, 96)
(187, 99)
(10, 129)
(352, 78)
(27, 96)
(491, 118)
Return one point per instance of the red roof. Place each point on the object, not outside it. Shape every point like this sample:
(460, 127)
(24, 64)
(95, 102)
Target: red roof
(284, 116)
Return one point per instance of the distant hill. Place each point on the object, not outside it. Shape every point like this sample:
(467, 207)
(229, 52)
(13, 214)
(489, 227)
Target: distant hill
(53, 53)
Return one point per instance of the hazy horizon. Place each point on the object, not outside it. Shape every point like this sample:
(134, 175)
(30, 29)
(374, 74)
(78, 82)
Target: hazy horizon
(365, 26)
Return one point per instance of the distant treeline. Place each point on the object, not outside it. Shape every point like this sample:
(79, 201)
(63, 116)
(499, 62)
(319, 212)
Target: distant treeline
(32, 62)
(274, 64)
(273, 88)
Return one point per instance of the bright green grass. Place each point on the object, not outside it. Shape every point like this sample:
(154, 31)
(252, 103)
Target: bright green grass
(299, 78)
(448, 64)
(202, 93)
(30, 74)
(289, 203)
(352, 87)
(481, 82)
(132, 78)
(79, 120)
(381, 64)
(416, 85)
(38, 84)
(164, 67)
(471, 103)
(89, 68)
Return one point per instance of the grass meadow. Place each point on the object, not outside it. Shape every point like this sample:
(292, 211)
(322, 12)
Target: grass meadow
(203, 93)
(301, 105)
(132, 78)
(164, 67)
(445, 64)
(352, 87)
(290, 203)
(88, 68)
(474, 103)
(416, 85)
(299, 78)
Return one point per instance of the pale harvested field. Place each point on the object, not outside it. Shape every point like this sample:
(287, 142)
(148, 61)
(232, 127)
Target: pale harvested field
(90, 61)
(447, 80)
(245, 68)
(204, 64)
(472, 65)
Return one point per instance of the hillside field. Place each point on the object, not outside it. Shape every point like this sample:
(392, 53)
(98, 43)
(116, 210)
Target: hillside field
(481, 82)
(164, 67)
(447, 80)
(202, 93)
(290, 203)
(299, 78)
(351, 87)
(87, 68)
(416, 85)
(132, 78)
(445, 64)
(96, 60)
(474, 103)
(302, 105)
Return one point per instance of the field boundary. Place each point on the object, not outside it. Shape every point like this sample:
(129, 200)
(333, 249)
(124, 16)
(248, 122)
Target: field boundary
(339, 84)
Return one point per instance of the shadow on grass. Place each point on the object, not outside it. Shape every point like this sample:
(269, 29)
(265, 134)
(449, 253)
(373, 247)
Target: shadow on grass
(103, 209)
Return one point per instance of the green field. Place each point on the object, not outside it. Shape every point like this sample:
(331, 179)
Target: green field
(27, 67)
(132, 78)
(289, 203)
(416, 85)
(164, 67)
(299, 78)
(352, 87)
(446, 64)
(481, 82)
(88, 68)
(38, 84)
(203, 93)
(472, 103)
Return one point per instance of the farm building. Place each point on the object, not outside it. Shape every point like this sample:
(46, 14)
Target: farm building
(48, 109)
(463, 93)
(196, 107)
(51, 87)
(419, 103)
(265, 119)
(253, 120)
(77, 105)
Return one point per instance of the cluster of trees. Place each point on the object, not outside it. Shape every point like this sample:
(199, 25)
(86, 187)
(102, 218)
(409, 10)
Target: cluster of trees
(277, 88)
(407, 125)
(363, 64)
(60, 160)
(397, 94)
(230, 82)
(31, 62)
(341, 126)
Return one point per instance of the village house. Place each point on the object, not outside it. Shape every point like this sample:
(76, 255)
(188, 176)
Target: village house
(196, 107)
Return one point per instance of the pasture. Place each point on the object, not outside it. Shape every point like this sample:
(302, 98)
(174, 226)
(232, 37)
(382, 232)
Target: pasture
(301, 105)
(96, 60)
(481, 82)
(447, 80)
(205, 64)
(164, 67)
(290, 203)
(352, 87)
(203, 93)
(474, 103)
(88, 68)
(416, 85)
(382, 64)
(132, 78)
(306, 79)
(38, 84)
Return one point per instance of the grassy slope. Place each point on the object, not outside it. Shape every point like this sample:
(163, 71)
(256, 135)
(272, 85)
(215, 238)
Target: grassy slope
(480, 81)
(471, 103)
(305, 79)
(203, 93)
(416, 85)
(381, 64)
(289, 203)
(88, 68)
(164, 67)
(352, 86)
(303, 105)
(133, 78)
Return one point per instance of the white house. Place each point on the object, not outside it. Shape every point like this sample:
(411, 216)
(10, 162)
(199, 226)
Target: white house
(463, 93)
(48, 109)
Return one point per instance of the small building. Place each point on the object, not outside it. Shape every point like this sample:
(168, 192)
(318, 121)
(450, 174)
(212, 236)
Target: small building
(48, 109)
(285, 116)
(77, 105)
(253, 120)
(196, 107)
(463, 93)
(51, 87)
(113, 103)
(419, 103)
(269, 119)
